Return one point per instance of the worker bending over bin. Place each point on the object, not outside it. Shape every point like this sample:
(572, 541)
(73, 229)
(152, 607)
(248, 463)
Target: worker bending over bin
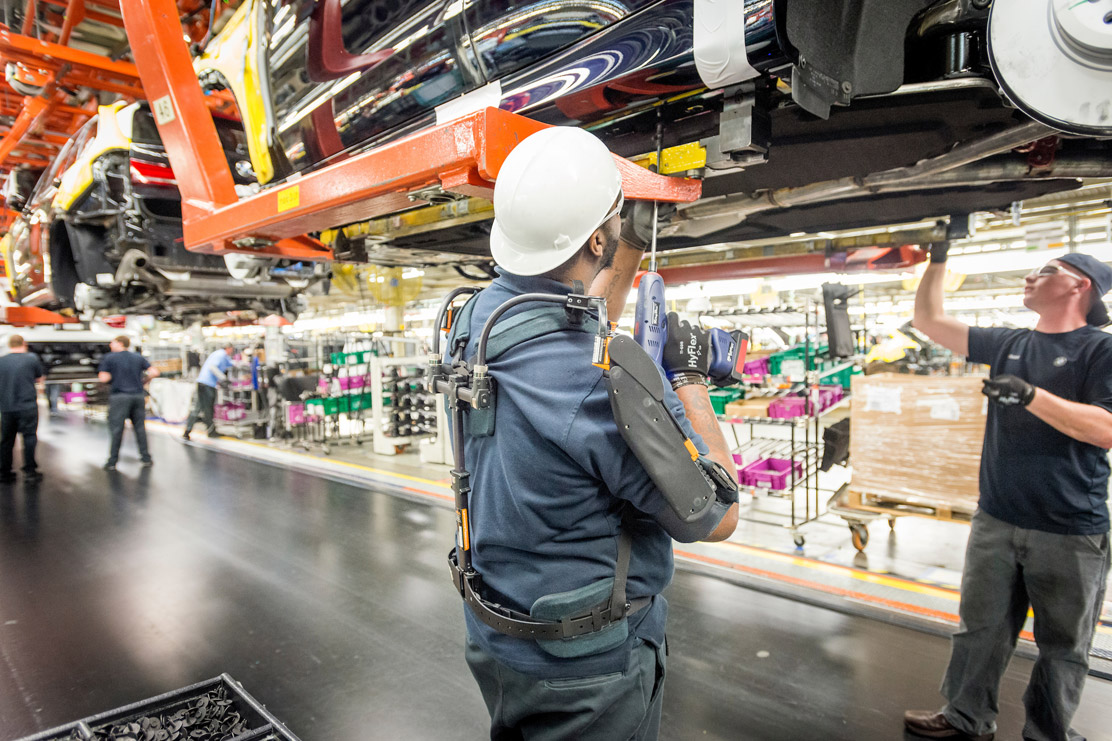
(565, 536)
(1040, 534)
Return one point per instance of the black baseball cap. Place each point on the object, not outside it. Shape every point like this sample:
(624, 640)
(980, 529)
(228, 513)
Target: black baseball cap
(1101, 276)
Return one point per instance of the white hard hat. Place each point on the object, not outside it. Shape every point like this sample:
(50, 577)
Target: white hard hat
(554, 190)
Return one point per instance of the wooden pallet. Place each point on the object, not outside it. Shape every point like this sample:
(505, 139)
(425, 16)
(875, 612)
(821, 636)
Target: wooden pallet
(880, 504)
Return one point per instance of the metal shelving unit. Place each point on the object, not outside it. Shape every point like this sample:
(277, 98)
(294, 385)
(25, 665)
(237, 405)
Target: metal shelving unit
(382, 443)
(803, 445)
(803, 442)
(235, 391)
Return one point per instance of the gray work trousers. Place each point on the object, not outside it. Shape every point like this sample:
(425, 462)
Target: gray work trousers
(121, 408)
(203, 407)
(608, 707)
(1007, 568)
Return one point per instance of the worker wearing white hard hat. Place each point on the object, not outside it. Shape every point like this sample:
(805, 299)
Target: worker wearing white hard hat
(556, 496)
(555, 190)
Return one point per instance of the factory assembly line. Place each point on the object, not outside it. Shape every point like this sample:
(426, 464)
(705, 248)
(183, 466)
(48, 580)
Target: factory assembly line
(623, 324)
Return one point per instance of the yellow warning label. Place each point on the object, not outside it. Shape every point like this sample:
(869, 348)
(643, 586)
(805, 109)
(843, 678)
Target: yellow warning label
(289, 198)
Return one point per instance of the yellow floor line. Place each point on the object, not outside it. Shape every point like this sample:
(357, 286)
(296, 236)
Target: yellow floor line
(866, 576)
(358, 466)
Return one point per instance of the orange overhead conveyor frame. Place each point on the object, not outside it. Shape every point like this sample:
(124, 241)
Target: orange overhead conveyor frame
(29, 316)
(463, 156)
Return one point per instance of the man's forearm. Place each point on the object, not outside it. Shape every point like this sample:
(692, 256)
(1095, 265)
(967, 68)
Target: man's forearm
(614, 283)
(930, 316)
(929, 296)
(1085, 422)
(700, 413)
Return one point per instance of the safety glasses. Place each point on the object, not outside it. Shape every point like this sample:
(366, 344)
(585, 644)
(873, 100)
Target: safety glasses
(616, 210)
(1048, 270)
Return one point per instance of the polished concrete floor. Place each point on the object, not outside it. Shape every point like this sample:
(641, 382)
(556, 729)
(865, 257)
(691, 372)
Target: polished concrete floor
(331, 604)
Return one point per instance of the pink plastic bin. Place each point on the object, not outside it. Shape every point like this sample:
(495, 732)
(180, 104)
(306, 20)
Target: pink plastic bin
(295, 414)
(230, 412)
(757, 367)
(772, 473)
(69, 397)
(787, 407)
(351, 382)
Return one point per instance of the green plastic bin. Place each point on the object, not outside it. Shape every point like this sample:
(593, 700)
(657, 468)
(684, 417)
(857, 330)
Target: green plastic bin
(843, 377)
(719, 398)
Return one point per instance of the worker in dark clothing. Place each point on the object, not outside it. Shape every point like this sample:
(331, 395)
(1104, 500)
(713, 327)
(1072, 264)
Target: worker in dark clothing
(555, 485)
(212, 374)
(1040, 535)
(20, 370)
(126, 373)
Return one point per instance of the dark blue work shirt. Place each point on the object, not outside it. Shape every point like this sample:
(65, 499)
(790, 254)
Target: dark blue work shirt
(550, 486)
(1032, 475)
(18, 373)
(128, 371)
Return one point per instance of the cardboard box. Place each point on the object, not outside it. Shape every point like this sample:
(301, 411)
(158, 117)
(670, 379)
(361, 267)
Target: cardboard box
(748, 408)
(917, 439)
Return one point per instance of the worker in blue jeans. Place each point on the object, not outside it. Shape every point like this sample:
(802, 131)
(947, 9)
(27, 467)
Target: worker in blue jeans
(1040, 537)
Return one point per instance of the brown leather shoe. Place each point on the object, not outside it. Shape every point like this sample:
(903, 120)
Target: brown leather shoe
(933, 724)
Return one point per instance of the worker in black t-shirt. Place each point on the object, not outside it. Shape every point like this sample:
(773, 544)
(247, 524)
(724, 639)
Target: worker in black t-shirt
(1040, 535)
(19, 408)
(126, 373)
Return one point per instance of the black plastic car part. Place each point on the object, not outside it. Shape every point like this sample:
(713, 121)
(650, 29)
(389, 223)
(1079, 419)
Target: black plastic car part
(218, 709)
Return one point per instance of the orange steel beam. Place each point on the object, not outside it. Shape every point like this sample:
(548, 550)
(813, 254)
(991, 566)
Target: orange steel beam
(12, 159)
(93, 15)
(35, 110)
(38, 142)
(856, 260)
(75, 13)
(105, 18)
(29, 17)
(53, 140)
(27, 316)
(186, 127)
(462, 156)
(46, 55)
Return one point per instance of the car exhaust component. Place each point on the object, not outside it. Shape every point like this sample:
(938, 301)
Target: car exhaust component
(714, 214)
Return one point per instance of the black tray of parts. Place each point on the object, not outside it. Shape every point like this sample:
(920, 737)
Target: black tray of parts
(215, 710)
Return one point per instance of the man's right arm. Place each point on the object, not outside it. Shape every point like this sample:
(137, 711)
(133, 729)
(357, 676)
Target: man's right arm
(699, 412)
(930, 317)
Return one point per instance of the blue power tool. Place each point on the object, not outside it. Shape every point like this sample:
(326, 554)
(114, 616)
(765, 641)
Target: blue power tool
(727, 356)
(650, 320)
(649, 317)
(650, 330)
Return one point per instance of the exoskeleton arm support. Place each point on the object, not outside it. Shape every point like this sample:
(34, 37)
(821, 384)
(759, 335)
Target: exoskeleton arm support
(690, 485)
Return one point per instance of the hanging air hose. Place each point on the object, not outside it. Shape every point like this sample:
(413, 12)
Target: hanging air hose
(11, 75)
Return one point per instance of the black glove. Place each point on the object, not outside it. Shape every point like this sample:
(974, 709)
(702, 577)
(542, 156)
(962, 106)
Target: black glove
(1008, 390)
(687, 350)
(637, 222)
(939, 251)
